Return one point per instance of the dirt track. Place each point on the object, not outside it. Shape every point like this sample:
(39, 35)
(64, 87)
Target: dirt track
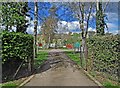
(59, 70)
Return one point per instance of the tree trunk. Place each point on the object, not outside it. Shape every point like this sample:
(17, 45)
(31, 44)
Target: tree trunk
(56, 44)
(86, 55)
(35, 30)
(81, 57)
(85, 52)
(49, 41)
(29, 65)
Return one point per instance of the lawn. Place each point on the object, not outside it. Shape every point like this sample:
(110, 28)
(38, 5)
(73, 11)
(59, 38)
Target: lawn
(74, 56)
(110, 85)
(42, 56)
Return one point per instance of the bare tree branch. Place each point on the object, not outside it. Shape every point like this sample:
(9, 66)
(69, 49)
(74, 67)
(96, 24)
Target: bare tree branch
(81, 9)
(88, 19)
(106, 6)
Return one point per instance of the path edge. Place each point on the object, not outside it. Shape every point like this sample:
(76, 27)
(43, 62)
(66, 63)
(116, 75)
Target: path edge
(26, 81)
(91, 77)
(84, 71)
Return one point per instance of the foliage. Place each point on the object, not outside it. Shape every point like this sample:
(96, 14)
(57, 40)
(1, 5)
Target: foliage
(71, 38)
(14, 14)
(16, 46)
(103, 55)
(100, 20)
(49, 27)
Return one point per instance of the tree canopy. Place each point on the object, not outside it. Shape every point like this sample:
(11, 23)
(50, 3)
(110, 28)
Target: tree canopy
(14, 14)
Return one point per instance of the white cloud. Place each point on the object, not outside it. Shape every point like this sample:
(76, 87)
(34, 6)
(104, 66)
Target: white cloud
(73, 26)
(116, 32)
(64, 26)
(92, 15)
(112, 17)
(112, 25)
(91, 29)
(30, 28)
(63, 22)
(112, 28)
(112, 22)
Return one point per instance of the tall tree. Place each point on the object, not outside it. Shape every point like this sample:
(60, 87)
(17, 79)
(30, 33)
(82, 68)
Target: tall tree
(100, 19)
(22, 27)
(100, 14)
(82, 11)
(14, 14)
(35, 28)
(49, 26)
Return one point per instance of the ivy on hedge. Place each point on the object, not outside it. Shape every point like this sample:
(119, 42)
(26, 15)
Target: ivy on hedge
(16, 46)
(103, 51)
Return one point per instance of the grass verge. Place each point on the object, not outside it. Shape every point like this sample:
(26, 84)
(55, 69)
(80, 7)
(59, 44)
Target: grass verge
(76, 57)
(9, 85)
(12, 84)
(73, 56)
(110, 85)
(42, 56)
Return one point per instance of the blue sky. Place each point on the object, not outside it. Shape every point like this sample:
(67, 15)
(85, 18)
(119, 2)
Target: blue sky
(71, 22)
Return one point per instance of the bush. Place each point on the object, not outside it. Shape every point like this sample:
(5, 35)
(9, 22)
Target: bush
(103, 54)
(16, 46)
(0, 47)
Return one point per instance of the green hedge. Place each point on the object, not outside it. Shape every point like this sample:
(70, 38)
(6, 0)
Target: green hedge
(16, 46)
(103, 54)
(0, 45)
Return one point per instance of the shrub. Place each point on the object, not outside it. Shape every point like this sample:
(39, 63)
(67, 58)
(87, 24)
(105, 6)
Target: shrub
(16, 46)
(103, 54)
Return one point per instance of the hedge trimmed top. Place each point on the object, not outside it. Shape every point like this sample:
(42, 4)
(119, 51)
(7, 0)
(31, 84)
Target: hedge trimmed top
(16, 46)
